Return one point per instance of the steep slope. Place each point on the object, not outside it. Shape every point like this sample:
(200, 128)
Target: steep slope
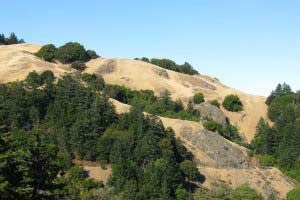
(141, 75)
(218, 159)
(17, 60)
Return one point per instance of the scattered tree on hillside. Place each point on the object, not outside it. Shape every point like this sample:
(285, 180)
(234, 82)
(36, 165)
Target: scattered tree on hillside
(215, 103)
(198, 98)
(46, 52)
(185, 68)
(232, 103)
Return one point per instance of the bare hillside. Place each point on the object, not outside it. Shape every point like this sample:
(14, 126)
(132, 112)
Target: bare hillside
(141, 75)
(17, 60)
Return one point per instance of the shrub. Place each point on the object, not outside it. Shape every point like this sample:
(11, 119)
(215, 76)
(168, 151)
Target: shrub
(46, 52)
(92, 54)
(188, 168)
(78, 65)
(267, 160)
(293, 194)
(198, 98)
(212, 125)
(245, 192)
(70, 52)
(232, 103)
(215, 103)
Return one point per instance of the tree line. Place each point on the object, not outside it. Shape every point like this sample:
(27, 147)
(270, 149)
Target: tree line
(185, 68)
(278, 144)
(11, 39)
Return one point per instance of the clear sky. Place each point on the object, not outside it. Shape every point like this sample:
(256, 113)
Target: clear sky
(248, 44)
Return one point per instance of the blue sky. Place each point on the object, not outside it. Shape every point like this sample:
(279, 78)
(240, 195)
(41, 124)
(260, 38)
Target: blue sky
(248, 44)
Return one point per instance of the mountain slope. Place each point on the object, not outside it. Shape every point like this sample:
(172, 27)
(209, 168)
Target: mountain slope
(17, 60)
(222, 161)
(217, 158)
(141, 75)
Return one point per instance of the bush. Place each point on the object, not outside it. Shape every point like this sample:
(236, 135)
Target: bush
(78, 65)
(92, 54)
(293, 194)
(70, 52)
(198, 98)
(212, 125)
(267, 160)
(232, 103)
(46, 52)
(188, 168)
(245, 192)
(215, 103)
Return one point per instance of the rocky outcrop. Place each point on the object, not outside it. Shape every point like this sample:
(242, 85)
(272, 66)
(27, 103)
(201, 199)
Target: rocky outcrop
(212, 112)
(222, 151)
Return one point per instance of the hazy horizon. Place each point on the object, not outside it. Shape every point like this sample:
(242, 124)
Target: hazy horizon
(248, 45)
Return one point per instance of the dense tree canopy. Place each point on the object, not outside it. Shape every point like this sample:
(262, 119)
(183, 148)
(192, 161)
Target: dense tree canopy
(279, 144)
(71, 118)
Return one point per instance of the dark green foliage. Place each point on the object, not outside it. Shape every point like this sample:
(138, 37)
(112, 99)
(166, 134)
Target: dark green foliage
(215, 103)
(145, 157)
(28, 166)
(78, 65)
(279, 145)
(281, 90)
(91, 54)
(245, 192)
(232, 103)
(212, 125)
(147, 101)
(189, 170)
(293, 194)
(227, 130)
(185, 68)
(94, 81)
(12, 39)
(46, 52)
(45, 125)
(70, 52)
(198, 98)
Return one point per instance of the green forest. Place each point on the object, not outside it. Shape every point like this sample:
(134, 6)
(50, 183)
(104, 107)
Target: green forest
(47, 123)
(278, 144)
